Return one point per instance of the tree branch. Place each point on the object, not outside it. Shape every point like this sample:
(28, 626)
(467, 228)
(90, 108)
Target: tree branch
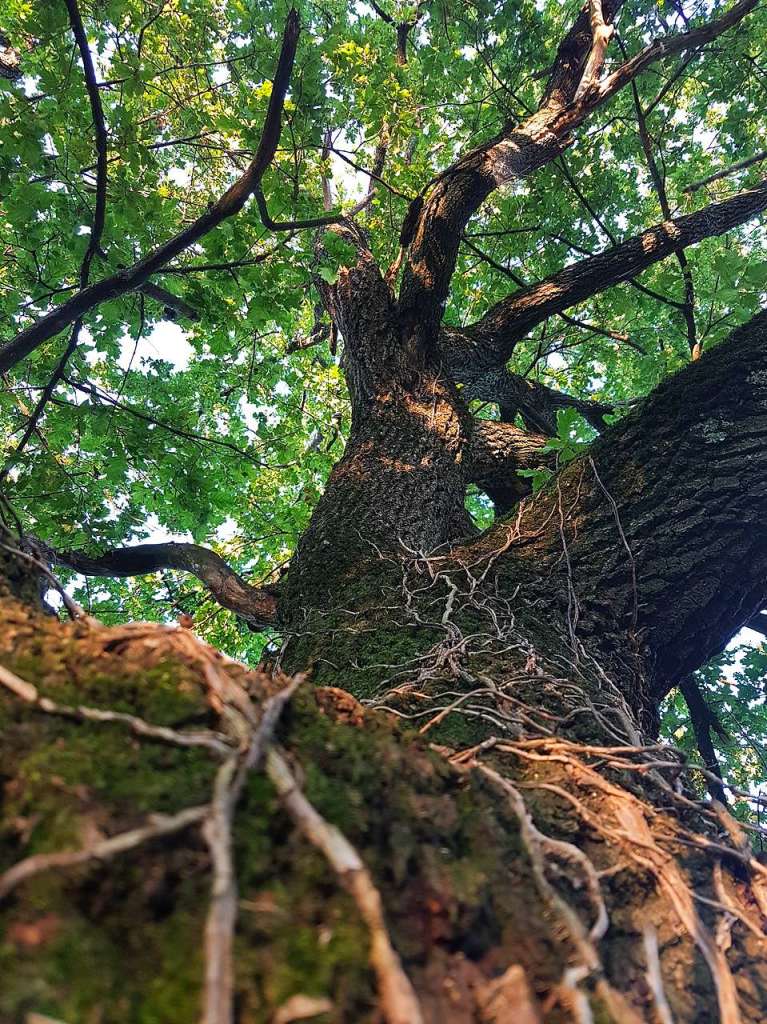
(459, 192)
(741, 165)
(10, 65)
(659, 184)
(702, 719)
(758, 623)
(503, 448)
(492, 339)
(258, 606)
(601, 34)
(97, 226)
(535, 402)
(229, 204)
(172, 302)
(496, 451)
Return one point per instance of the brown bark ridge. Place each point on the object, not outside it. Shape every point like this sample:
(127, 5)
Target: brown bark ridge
(676, 545)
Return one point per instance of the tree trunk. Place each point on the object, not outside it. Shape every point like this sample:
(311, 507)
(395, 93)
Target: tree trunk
(480, 724)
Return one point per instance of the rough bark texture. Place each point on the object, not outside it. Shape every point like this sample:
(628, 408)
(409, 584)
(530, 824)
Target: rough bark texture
(530, 878)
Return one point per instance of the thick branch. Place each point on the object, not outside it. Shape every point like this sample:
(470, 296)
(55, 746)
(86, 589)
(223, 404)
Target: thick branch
(666, 532)
(256, 605)
(601, 34)
(501, 448)
(10, 65)
(496, 452)
(535, 402)
(460, 191)
(492, 339)
(439, 222)
(230, 203)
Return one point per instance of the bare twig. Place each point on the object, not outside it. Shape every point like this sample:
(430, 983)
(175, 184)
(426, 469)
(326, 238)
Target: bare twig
(741, 165)
(158, 825)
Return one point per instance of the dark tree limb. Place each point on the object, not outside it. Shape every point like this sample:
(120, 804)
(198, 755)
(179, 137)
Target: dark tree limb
(291, 225)
(256, 605)
(172, 302)
(703, 719)
(441, 219)
(571, 321)
(100, 129)
(97, 226)
(496, 452)
(536, 403)
(758, 623)
(497, 447)
(490, 341)
(229, 204)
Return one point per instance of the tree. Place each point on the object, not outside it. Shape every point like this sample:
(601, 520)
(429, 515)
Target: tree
(511, 537)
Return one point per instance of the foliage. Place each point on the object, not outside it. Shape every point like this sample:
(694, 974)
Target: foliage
(223, 429)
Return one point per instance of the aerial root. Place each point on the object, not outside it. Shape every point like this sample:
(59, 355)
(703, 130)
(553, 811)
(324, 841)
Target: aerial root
(245, 743)
(622, 822)
(158, 825)
(399, 1004)
(542, 849)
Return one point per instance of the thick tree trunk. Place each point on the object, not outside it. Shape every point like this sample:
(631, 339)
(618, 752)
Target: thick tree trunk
(538, 855)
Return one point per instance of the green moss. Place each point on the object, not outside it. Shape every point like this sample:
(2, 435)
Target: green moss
(446, 859)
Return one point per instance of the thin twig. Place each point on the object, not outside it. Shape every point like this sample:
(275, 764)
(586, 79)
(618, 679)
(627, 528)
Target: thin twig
(158, 825)
(399, 1004)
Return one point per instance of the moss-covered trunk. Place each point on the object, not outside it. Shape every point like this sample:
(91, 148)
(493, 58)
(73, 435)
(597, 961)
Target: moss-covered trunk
(479, 723)
(535, 858)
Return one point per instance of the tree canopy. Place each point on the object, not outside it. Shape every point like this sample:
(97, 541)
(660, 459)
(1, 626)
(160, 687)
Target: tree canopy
(208, 403)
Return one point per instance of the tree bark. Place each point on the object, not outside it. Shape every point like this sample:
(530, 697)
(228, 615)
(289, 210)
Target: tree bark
(532, 855)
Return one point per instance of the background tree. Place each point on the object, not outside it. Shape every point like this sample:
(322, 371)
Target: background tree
(422, 255)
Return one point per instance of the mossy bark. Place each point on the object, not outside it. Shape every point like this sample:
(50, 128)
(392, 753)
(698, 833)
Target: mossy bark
(480, 723)
(489, 921)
